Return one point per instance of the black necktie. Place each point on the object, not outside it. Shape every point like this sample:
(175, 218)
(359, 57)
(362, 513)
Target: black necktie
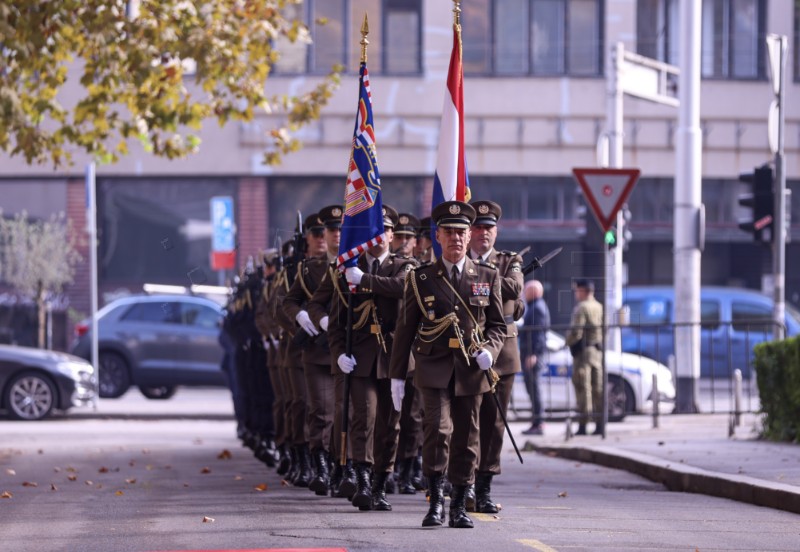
(454, 277)
(375, 264)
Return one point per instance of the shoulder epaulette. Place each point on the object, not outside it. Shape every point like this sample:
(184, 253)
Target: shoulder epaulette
(426, 264)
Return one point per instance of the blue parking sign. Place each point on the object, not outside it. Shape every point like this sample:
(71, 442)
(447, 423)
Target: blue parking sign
(223, 231)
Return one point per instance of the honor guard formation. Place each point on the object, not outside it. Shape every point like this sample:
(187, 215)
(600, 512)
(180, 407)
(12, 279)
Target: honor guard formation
(403, 388)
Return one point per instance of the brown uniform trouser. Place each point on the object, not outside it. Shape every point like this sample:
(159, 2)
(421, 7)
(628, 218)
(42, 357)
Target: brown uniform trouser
(278, 405)
(492, 427)
(410, 439)
(363, 409)
(338, 390)
(319, 412)
(286, 386)
(297, 409)
(587, 377)
(387, 429)
(451, 439)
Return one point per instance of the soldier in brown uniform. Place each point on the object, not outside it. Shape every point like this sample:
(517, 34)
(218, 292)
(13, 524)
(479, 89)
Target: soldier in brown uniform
(452, 320)
(509, 267)
(315, 241)
(585, 342)
(316, 354)
(375, 425)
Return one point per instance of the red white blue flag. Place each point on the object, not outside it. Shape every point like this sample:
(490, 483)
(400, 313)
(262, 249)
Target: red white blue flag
(451, 181)
(362, 226)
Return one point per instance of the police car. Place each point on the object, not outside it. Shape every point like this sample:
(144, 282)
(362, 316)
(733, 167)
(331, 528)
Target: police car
(630, 384)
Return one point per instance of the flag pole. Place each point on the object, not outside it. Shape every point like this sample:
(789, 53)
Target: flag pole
(348, 344)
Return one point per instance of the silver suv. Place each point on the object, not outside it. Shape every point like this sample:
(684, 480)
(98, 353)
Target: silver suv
(155, 342)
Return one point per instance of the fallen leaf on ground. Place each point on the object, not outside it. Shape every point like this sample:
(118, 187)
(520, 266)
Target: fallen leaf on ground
(130, 481)
(148, 467)
(40, 451)
(71, 469)
(206, 470)
(168, 467)
(562, 494)
(53, 487)
(57, 469)
(261, 487)
(238, 478)
(499, 506)
(119, 493)
(103, 470)
(284, 483)
(29, 484)
(72, 477)
(89, 482)
(10, 471)
(225, 455)
(207, 519)
(99, 486)
(185, 484)
(6, 494)
(131, 463)
(145, 451)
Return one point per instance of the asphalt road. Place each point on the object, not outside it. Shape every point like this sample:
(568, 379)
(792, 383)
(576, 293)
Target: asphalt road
(147, 483)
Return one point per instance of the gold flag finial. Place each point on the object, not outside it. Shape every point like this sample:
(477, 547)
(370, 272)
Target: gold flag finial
(364, 41)
(457, 23)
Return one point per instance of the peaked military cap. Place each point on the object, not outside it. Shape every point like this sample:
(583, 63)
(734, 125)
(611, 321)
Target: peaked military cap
(488, 212)
(389, 217)
(407, 224)
(453, 214)
(425, 228)
(331, 216)
(313, 222)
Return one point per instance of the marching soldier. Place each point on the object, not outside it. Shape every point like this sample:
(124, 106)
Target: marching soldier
(452, 320)
(293, 363)
(585, 342)
(405, 235)
(316, 354)
(423, 249)
(379, 277)
(492, 428)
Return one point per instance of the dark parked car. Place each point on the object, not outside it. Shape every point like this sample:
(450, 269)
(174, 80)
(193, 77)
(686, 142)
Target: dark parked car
(155, 342)
(35, 382)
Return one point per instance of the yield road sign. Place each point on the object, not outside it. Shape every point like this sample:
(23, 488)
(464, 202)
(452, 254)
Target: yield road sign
(606, 191)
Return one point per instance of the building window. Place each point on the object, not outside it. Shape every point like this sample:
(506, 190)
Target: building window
(732, 36)
(797, 40)
(395, 36)
(532, 37)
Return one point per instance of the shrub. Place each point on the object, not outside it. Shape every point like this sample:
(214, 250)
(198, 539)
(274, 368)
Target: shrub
(777, 367)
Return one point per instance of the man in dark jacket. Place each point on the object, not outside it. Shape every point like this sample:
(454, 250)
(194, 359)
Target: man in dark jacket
(534, 345)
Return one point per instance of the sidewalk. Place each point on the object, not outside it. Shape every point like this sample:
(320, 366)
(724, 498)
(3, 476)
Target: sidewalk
(688, 453)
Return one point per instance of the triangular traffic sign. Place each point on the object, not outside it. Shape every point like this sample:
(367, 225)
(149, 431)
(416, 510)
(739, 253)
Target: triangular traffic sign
(606, 191)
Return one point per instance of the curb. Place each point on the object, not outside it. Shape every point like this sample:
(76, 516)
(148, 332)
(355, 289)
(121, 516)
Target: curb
(683, 478)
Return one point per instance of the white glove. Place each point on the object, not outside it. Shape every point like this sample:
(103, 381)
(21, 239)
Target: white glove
(353, 275)
(398, 392)
(306, 323)
(346, 363)
(484, 359)
(324, 323)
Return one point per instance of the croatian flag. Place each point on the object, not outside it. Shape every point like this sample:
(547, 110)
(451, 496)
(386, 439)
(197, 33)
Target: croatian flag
(362, 226)
(451, 181)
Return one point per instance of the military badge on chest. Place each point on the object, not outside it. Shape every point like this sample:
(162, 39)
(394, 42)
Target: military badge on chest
(481, 289)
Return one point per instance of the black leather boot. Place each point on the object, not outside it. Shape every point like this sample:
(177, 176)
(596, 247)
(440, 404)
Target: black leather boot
(391, 483)
(320, 482)
(304, 473)
(598, 429)
(581, 429)
(469, 499)
(458, 511)
(294, 465)
(435, 515)
(265, 452)
(335, 479)
(404, 485)
(483, 498)
(363, 497)
(417, 478)
(347, 488)
(379, 501)
(285, 460)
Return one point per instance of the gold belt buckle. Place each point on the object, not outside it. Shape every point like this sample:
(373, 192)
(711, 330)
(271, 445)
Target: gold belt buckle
(375, 329)
(453, 343)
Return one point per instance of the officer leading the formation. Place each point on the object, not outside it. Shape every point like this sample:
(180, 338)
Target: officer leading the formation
(452, 320)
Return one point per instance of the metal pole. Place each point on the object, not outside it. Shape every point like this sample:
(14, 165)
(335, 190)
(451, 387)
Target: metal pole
(613, 257)
(348, 349)
(91, 221)
(656, 401)
(688, 207)
(779, 253)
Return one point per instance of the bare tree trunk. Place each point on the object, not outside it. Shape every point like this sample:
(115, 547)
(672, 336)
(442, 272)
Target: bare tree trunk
(41, 315)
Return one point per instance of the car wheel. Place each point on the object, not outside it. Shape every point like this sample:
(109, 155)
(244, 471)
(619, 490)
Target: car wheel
(114, 376)
(30, 396)
(158, 393)
(621, 400)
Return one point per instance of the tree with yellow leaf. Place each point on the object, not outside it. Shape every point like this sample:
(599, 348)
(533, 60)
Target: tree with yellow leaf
(149, 70)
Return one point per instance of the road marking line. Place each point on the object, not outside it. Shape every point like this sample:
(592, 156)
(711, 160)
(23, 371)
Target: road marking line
(533, 543)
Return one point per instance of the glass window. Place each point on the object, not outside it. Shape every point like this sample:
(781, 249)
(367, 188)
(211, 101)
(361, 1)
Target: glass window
(511, 29)
(328, 32)
(732, 36)
(548, 41)
(199, 315)
(709, 314)
(750, 317)
(797, 40)
(293, 55)
(403, 37)
(154, 312)
(476, 36)
(583, 35)
(650, 311)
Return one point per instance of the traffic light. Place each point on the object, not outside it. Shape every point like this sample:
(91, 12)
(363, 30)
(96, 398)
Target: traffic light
(761, 201)
(610, 237)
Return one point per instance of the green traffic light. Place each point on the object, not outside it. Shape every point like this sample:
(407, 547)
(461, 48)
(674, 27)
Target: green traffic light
(610, 238)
